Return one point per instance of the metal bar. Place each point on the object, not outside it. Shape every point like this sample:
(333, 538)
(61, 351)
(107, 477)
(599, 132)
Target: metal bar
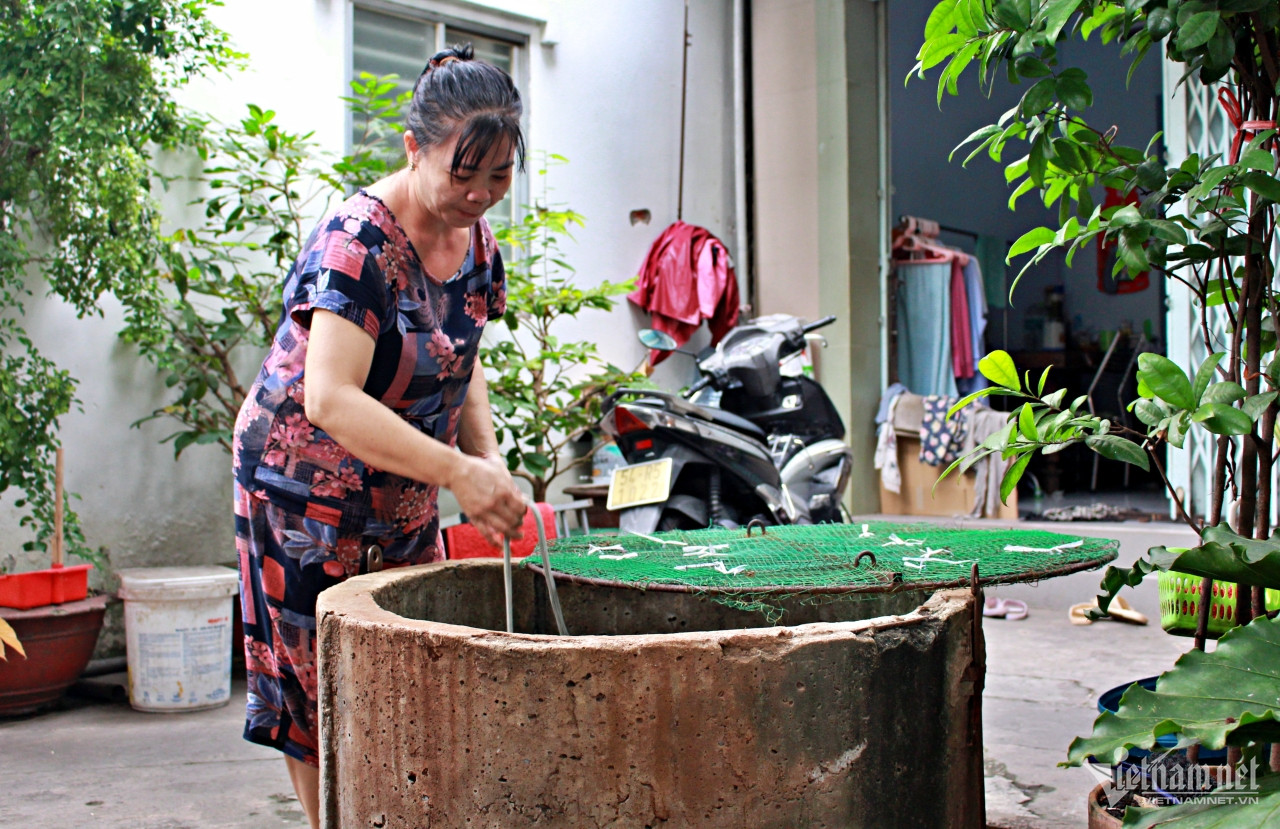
(506, 584)
(684, 92)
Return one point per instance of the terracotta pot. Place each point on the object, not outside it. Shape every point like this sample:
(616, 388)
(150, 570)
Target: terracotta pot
(59, 640)
(1099, 817)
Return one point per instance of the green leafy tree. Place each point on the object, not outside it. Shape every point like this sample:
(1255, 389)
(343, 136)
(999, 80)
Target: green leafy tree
(87, 96)
(546, 391)
(262, 187)
(1208, 223)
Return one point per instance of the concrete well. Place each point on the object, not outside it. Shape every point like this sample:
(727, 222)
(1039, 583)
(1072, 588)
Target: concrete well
(663, 709)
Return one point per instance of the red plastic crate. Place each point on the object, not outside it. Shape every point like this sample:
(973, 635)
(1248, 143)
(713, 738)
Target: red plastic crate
(56, 585)
(465, 541)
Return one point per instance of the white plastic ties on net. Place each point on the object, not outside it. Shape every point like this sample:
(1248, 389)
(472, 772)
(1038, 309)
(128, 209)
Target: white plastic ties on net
(1060, 548)
(618, 558)
(866, 532)
(656, 540)
(705, 550)
(894, 541)
(930, 555)
(718, 566)
(593, 549)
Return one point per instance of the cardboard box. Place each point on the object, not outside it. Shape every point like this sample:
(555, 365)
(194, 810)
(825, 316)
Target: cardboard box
(953, 497)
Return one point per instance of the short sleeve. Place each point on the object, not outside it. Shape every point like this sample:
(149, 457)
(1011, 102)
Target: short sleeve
(497, 286)
(341, 275)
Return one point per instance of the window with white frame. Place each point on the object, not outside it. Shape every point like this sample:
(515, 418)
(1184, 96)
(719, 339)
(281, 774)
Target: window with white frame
(390, 41)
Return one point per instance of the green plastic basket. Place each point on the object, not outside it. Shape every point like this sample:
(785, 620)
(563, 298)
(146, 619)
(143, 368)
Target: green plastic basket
(1180, 604)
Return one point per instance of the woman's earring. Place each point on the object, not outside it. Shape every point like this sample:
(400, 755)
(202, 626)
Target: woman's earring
(413, 165)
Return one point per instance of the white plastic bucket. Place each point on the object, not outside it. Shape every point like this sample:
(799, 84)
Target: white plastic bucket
(177, 623)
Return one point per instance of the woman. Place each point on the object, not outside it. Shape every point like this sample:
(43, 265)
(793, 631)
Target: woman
(350, 428)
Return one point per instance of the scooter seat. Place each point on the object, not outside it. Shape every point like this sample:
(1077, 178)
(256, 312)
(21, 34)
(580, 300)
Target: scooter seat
(735, 422)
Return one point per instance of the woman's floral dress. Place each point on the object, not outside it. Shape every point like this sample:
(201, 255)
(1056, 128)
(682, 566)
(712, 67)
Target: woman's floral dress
(304, 506)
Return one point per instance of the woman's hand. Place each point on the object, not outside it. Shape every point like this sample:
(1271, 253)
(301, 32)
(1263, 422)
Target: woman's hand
(488, 496)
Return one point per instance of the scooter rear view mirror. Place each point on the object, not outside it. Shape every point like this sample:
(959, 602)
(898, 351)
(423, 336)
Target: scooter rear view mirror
(658, 340)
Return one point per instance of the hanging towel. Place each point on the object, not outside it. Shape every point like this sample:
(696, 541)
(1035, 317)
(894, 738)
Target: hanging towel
(687, 278)
(977, 325)
(962, 360)
(924, 327)
(990, 253)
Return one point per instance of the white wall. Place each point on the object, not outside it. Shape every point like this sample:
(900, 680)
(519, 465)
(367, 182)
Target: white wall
(607, 96)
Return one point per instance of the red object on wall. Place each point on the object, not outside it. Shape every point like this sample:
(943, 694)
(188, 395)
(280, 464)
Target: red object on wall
(1107, 283)
(465, 541)
(687, 278)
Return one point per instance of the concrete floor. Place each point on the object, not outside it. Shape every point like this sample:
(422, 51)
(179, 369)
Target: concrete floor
(102, 764)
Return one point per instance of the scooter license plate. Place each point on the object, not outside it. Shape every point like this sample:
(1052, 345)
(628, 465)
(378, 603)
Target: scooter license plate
(640, 484)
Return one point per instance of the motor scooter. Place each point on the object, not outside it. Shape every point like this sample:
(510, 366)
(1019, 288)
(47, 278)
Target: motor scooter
(752, 438)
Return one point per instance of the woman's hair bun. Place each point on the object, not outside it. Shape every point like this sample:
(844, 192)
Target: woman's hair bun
(462, 52)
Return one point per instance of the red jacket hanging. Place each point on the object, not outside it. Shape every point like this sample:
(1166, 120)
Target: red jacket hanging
(686, 279)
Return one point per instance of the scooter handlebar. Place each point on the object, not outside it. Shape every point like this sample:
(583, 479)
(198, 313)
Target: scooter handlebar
(700, 384)
(819, 323)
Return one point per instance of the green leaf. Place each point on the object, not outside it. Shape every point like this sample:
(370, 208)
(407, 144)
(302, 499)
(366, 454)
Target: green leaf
(1226, 392)
(1030, 240)
(1159, 23)
(1038, 98)
(1074, 92)
(1011, 477)
(1264, 184)
(1056, 15)
(999, 369)
(941, 20)
(1197, 30)
(1223, 419)
(1148, 412)
(1256, 159)
(1204, 375)
(1248, 807)
(1030, 66)
(1165, 380)
(969, 398)
(1192, 700)
(1256, 405)
(1113, 447)
(1027, 423)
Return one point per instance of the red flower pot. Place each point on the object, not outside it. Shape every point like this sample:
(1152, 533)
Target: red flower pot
(59, 640)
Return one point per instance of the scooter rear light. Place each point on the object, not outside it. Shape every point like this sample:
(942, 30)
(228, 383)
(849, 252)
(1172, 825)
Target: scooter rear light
(642, 445)
(625, 422)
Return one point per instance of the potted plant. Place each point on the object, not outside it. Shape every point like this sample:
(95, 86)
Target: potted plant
(546, 391)
(87, 95)
(1209, 225)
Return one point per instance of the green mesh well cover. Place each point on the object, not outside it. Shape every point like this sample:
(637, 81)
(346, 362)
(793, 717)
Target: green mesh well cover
(825, 558)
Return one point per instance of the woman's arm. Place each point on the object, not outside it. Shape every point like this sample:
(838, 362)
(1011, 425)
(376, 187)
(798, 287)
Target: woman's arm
(475, 431)
(339, 354)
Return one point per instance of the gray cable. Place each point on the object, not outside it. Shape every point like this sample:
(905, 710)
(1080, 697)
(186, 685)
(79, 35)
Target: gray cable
(546, 571)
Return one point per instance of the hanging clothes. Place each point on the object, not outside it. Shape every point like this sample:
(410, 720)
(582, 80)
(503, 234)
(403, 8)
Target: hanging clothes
(976, 294)
(687, 278)
(962, 359)
(990, 253)
(941, 312)
(924, 328)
